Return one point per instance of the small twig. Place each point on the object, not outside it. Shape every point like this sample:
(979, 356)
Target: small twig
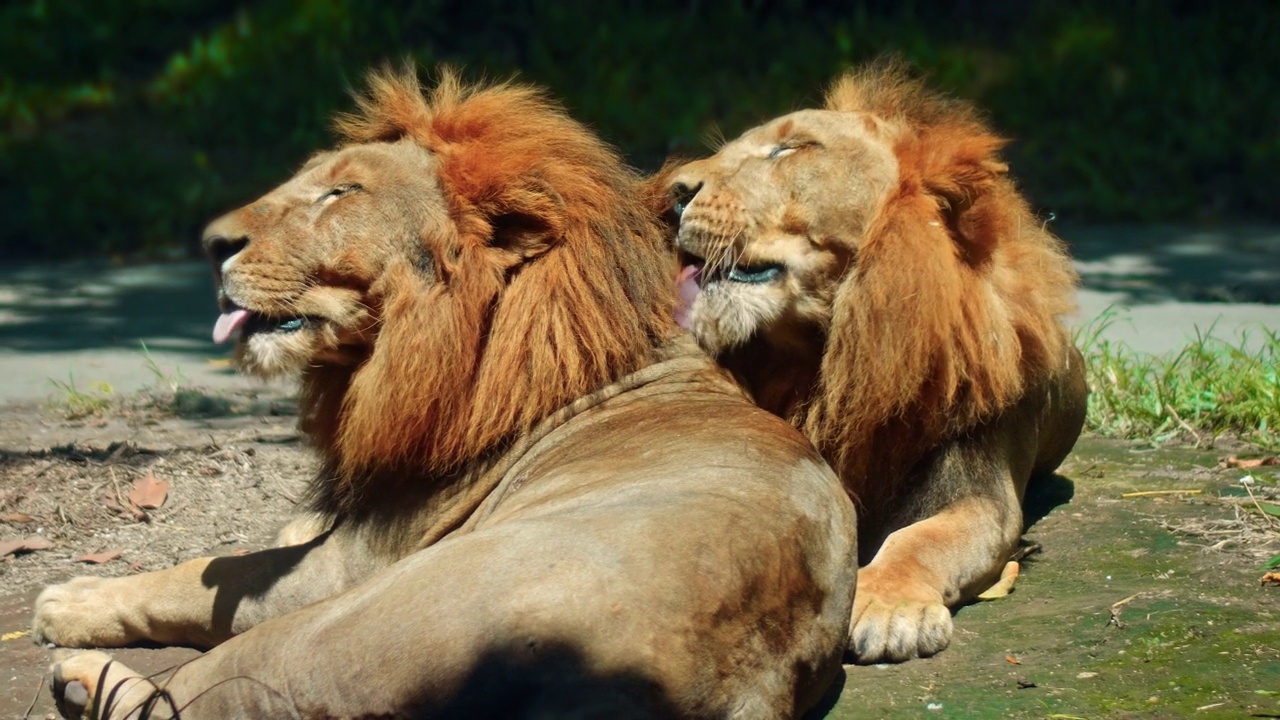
(1116, 608)
(1024, 551)
(1271, 521)
(34, 698)
(1148, 493)
(1183, 423)
(116, 484)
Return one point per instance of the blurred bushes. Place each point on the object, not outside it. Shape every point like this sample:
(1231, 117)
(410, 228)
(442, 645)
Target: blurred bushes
(124, 127)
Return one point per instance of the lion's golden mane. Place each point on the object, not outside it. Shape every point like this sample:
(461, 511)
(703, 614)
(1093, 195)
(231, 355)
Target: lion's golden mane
(461, 366)
(952, 310)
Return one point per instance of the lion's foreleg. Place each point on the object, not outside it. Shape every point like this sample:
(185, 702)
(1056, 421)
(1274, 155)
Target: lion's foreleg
(201, 602)
(901, 609)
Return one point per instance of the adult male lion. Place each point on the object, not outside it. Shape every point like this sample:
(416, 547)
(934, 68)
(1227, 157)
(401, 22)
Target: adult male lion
(542, 501)
(870, 274)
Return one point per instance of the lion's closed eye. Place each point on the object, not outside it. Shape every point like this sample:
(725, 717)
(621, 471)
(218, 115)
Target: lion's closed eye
(791, 146)
(338, 191)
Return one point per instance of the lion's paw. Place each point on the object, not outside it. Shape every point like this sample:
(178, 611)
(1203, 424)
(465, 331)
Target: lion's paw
(897, 622)
(92, 685)
(81, 613)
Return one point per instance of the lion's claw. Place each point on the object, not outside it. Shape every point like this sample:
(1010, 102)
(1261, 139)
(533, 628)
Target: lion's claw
(70, 697)
(72, 676)
(79, 678)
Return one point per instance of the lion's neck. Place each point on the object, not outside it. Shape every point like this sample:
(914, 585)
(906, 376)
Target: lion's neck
(785, 381)
(448, 501)
(780, 380)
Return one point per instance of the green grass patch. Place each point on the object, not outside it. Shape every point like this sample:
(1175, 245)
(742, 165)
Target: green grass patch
(75, 402)
(1211, 387)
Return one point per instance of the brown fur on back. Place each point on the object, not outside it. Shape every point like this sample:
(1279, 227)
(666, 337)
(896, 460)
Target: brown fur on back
(950, 313)
(550, 282)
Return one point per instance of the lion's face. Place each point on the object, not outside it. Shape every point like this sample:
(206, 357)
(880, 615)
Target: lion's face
(298, 270)
(771, 222)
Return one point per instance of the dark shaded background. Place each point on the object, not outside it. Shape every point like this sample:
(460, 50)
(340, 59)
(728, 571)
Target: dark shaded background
(125, 126)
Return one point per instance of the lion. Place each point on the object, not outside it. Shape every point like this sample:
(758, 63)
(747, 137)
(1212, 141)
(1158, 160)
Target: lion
(539, 496)
(870, 273)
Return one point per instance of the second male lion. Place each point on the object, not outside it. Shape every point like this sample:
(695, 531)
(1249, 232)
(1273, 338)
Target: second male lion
(869, 272)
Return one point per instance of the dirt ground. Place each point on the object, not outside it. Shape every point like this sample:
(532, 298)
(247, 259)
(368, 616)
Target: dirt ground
(1147, 606)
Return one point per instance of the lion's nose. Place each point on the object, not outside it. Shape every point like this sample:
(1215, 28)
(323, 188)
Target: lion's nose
(221, 248)
(222, 240)
(683, 191)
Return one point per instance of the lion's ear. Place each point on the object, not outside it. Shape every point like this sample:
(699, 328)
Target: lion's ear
(520, 213)
(961, 173)
(527, 218)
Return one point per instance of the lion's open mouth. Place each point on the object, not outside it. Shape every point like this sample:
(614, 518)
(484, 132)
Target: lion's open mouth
(695, 268)
(240, 322)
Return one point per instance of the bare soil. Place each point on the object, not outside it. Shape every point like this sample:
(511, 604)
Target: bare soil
(234, 465)
(1148, 606)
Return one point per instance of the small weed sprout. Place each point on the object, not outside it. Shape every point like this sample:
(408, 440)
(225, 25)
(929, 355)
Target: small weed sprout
(171, 382)
(76, 403)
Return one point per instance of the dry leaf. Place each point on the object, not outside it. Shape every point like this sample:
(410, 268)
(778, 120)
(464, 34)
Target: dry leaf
(99, 558)
(1231, 461)
(1003, 586)
(128, 513)
(1012, 660)
(148, 492)
(17, 518)
(26, 544)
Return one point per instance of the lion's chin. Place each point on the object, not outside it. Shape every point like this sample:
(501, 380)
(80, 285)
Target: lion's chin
(271, 355)
(725, 316)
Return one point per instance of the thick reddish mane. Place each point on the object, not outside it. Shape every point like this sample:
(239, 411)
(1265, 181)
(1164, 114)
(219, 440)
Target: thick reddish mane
(550, 281)
(952, 310)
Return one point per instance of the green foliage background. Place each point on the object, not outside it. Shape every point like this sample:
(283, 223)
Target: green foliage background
(125, 126)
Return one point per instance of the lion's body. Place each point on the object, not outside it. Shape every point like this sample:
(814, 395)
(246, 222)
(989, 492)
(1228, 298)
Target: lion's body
(869, 273)
(521, 512)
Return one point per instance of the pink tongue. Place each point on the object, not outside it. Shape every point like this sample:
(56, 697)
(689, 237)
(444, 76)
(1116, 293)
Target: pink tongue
(687, 287)
(228, 323)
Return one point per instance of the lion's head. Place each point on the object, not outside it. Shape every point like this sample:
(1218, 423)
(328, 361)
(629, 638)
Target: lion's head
(465, 264)
(868, 269)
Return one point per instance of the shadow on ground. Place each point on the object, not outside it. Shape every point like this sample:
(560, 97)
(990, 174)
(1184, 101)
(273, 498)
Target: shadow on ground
(1150, 264)
(50, 309)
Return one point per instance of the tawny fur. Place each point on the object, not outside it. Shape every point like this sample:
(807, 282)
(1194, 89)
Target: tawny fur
(932, 338)
(869, 272)
(489, 355)
(536, 497)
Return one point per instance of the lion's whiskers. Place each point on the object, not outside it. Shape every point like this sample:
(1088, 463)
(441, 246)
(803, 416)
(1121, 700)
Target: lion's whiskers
(719, 261)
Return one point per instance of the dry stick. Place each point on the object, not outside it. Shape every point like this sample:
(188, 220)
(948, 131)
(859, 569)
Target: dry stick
(116, 484)
(1270, 520)
(1183, 423)
(34, 698)
(1147, 493)
(1116, 607)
